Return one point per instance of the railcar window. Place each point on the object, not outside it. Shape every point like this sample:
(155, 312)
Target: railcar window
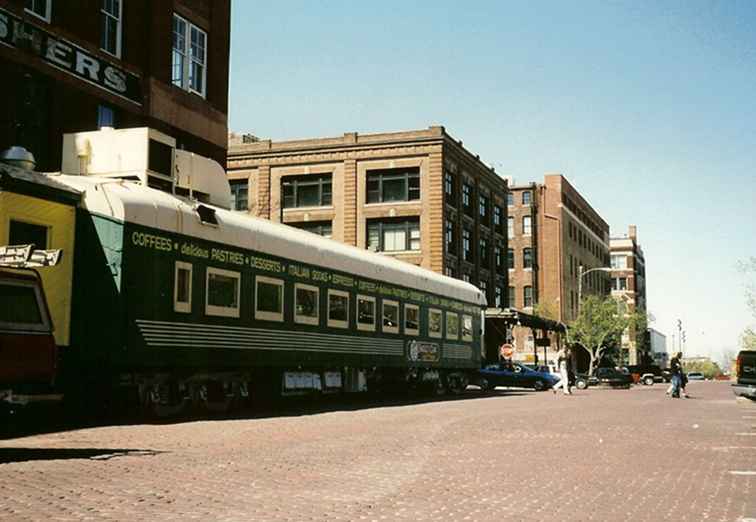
(390, 316)
(269, 299)
(182, 288)
(338, 309)
(411, 319)
(365, 312)
(19, 305)
(306, 310)
(467, 327)
(452, 325)
(434, 323)
(222, 292)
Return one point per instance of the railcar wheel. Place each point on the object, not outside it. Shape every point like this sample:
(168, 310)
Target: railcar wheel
(164, 400)
(218, 396)
(457, 383)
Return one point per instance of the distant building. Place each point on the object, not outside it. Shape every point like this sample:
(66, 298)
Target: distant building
(629, 286)
(658, 347)
(79, 66)
(419, 196)
(553, 230)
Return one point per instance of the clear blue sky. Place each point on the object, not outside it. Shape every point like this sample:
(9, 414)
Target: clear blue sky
(649, 108)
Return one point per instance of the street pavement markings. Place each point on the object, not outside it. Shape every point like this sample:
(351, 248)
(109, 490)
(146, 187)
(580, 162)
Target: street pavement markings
(746, 434)
(744, 473)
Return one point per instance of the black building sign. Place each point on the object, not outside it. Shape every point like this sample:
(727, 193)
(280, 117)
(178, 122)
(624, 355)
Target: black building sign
(68, 57)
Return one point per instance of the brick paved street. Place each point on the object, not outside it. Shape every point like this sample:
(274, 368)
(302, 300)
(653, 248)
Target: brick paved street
(512, 455)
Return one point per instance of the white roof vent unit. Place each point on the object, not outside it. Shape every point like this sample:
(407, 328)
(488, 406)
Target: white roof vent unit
(141, 153)
(202, 179)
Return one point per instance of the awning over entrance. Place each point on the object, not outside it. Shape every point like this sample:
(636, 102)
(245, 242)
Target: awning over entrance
(501, 321)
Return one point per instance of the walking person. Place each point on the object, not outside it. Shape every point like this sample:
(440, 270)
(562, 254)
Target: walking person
(563, 361)
(675, 367)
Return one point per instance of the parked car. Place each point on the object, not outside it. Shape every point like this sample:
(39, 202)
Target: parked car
(515, 375)
(613, 378)
(746, 374)
(650, 378)
(696, 376)
(583, 380)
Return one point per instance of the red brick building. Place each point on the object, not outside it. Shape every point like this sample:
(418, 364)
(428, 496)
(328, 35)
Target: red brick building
(552, 230)
(77, 66)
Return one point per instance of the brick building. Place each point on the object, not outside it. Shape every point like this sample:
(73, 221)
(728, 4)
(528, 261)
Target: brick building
(78, 66)
(419, 196)
(629, 285)
(553, 231)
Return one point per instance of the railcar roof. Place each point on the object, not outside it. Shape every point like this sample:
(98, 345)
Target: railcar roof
(132, 202)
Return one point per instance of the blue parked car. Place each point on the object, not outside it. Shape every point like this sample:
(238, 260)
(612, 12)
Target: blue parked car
(515, 375)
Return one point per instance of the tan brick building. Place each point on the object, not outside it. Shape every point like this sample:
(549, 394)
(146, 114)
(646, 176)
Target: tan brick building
(553, 231)
(419, 196)
(629, 285)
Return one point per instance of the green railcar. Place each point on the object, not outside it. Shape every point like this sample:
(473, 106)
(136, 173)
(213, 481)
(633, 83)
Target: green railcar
(181, 301)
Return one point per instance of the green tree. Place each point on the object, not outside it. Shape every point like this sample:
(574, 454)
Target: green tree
(748, 268)
(598, 327)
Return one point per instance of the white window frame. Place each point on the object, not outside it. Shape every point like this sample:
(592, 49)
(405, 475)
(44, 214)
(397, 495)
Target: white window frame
(264, 314)
(180, 306)
(306, 319)
(48, 12)
(187, 54)
(119, 27)
(440, 332)
(407, 329)
(363, 326)
(446, 330)
(222, 311)
(390, 329)
(466, 318)
(335, 323)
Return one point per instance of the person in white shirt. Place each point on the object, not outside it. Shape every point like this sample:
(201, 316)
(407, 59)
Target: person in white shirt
(563, 360)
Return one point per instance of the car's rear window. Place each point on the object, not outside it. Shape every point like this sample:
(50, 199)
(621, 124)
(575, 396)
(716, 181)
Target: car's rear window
(19, 305)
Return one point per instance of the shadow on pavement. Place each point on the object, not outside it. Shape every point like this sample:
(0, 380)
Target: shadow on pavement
(8, 455)
(52, 420)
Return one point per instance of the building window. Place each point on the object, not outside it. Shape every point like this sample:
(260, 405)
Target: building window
(434, 323)
(619, 283)
(189, 61)
(449, 237)
(393, 185)
(411, 319)
(466, 278)
(483, 285)
(338, 309)
(268, 298)
(321, 228)
(527, 223)
(110, 29)
(306, 309)
(40, 8)
(510, 199)
(240, 194)
(306, 191)
(499, 296)
(499, 257)
(511, 297)
(365, 313)
(526, 197)
(390, 316)
(484, 261)
(527, 296)
(449, 188)
(510, 226)
(497, 218)
(619, 262)
(527, 258)
(393, 235)
(483, 209)
(452, 326)
(449, 271)
(23, 233)
(222, 292)
(510, 259)
(467, 245)
(105, 117)
(467, 197)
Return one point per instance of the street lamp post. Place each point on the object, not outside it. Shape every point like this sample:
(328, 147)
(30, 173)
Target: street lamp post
(580, 279)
